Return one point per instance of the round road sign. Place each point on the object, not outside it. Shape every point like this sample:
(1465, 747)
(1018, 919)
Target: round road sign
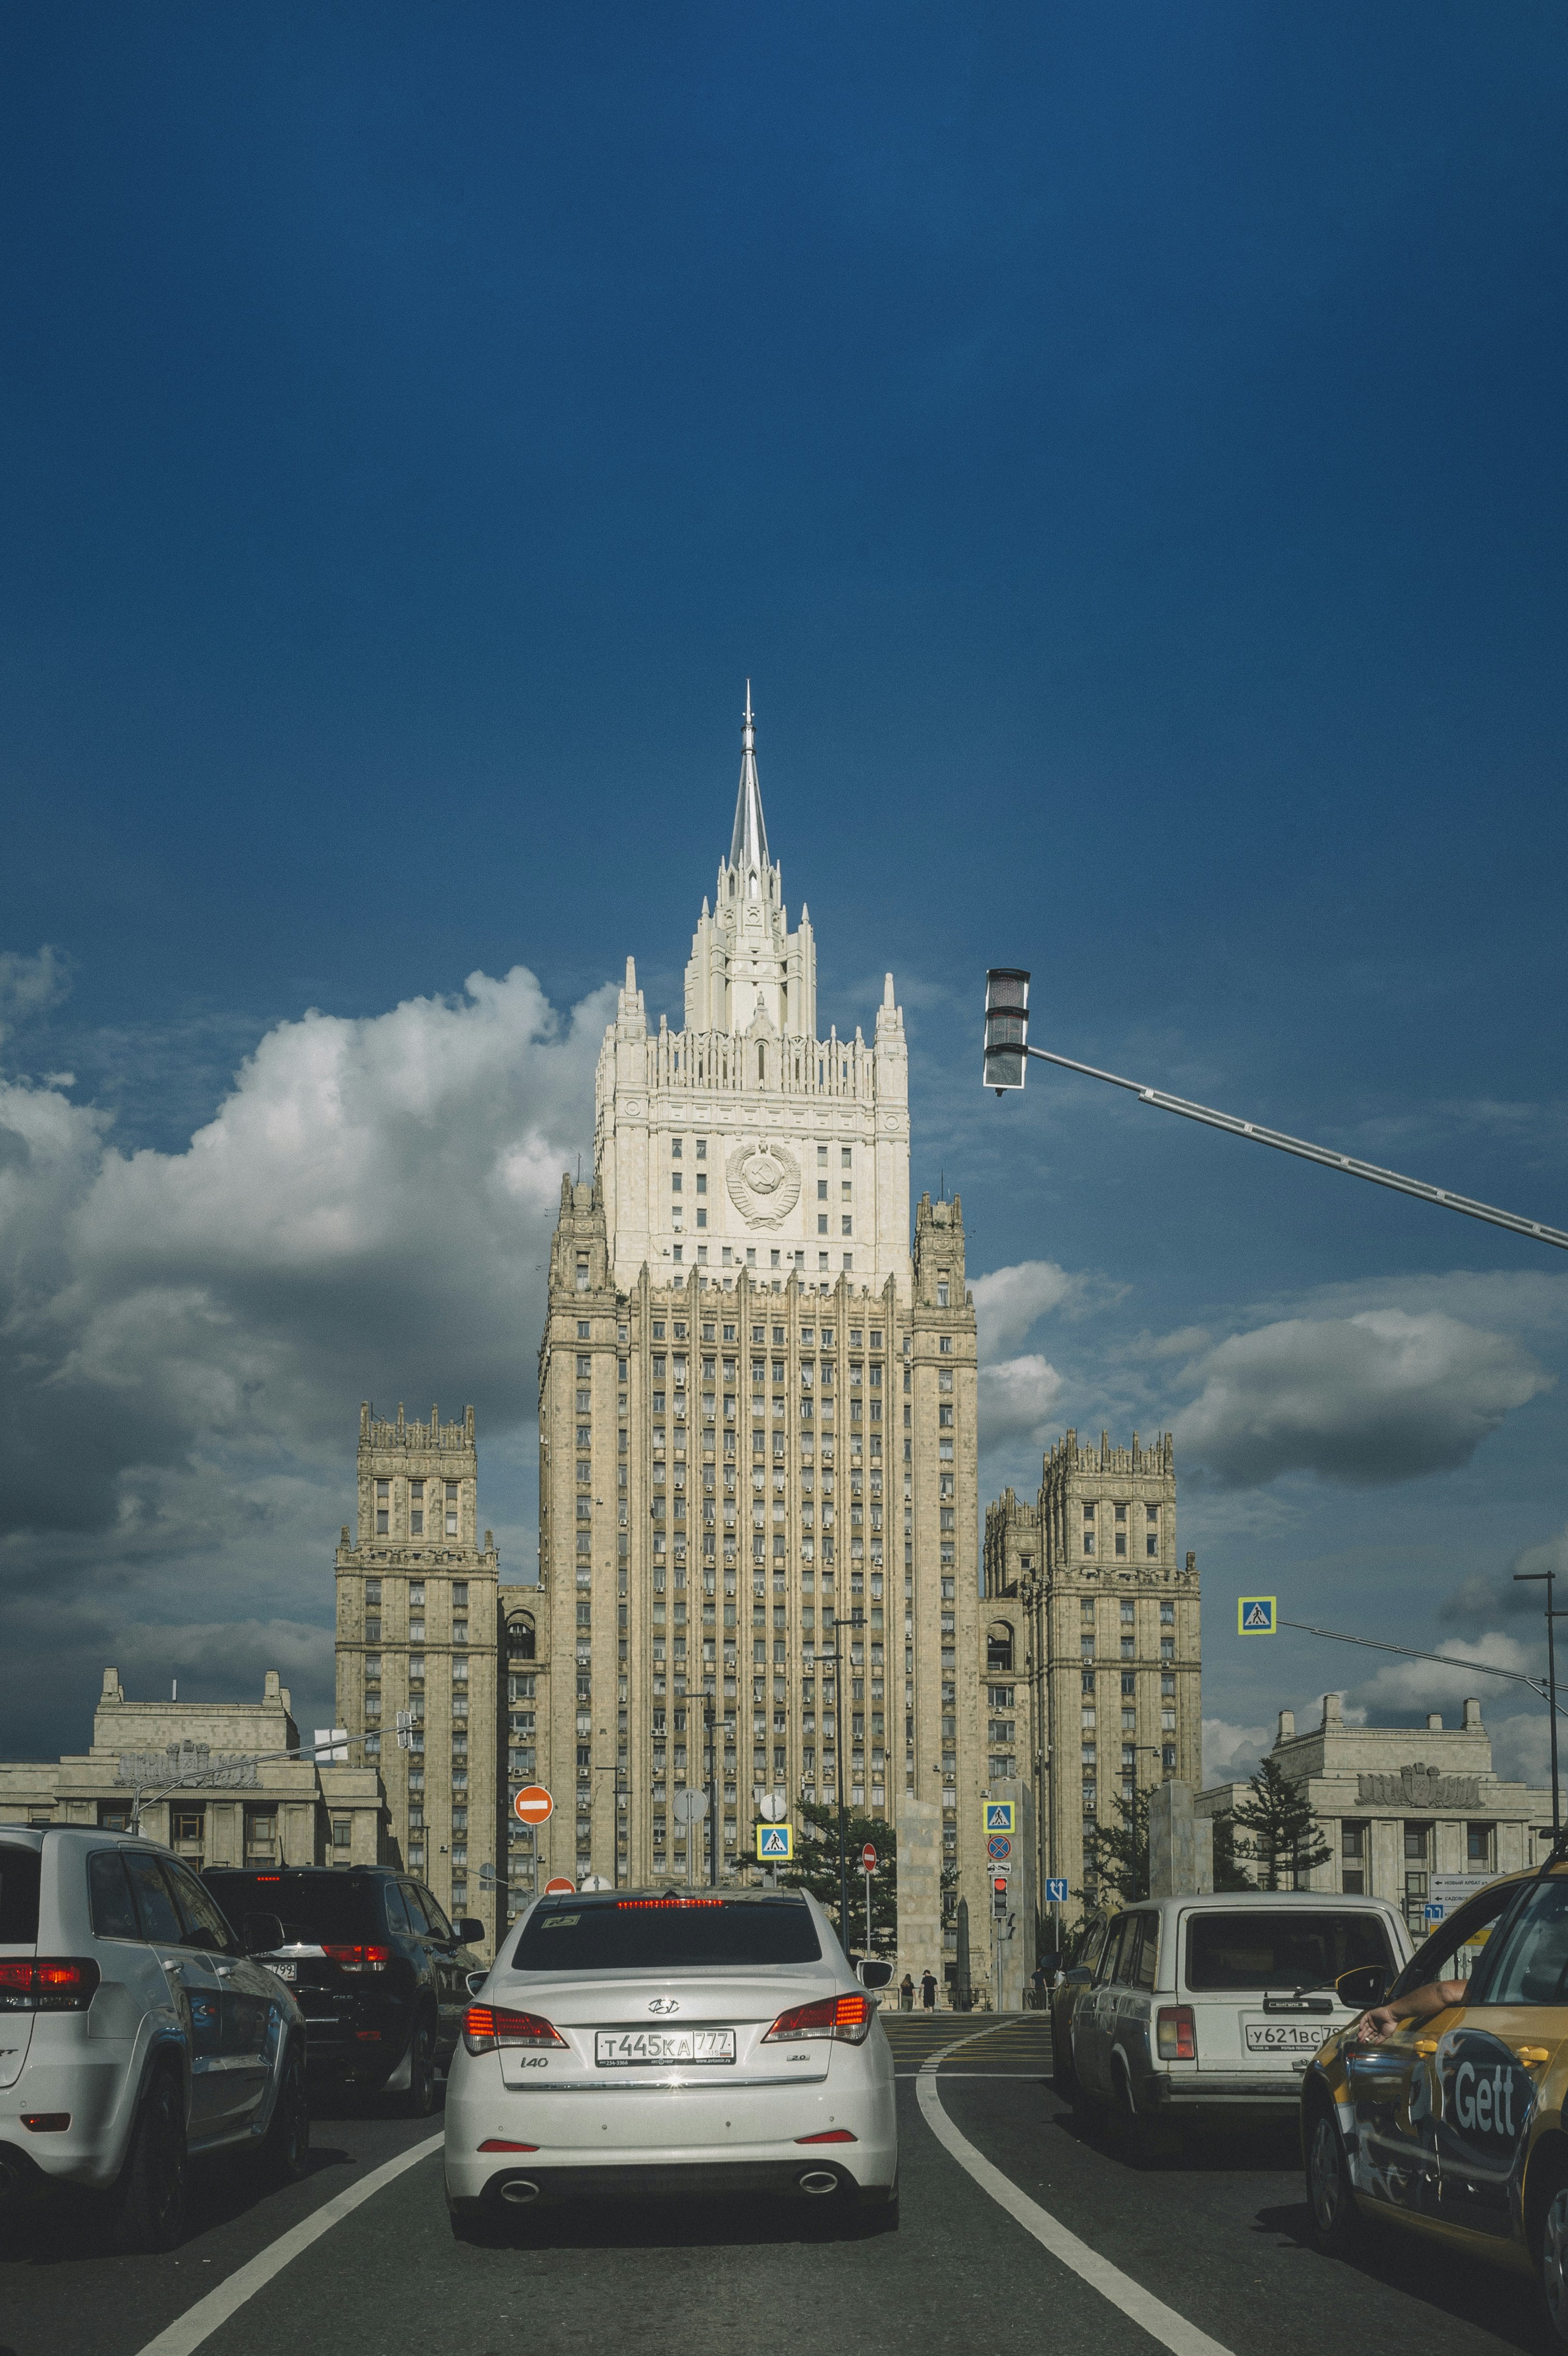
(868, 1859)
(998, 1846)
(532, 1804)
(560, 1889)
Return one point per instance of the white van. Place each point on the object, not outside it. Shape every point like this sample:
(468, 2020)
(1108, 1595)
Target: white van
(1213, 2005)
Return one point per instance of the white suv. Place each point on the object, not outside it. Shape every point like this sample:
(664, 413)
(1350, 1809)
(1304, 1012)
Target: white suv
(1216, 2004)
(134, 2030)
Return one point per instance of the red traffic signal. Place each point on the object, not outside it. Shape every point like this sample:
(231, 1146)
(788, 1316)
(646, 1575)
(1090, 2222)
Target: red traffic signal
(999, 1883)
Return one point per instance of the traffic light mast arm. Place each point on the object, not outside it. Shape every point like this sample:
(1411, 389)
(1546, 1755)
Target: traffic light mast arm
(1445, 1660)
(1346, 1162)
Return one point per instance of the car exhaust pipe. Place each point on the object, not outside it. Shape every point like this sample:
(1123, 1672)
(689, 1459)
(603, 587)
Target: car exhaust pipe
(519, 2191)
(819, 2180)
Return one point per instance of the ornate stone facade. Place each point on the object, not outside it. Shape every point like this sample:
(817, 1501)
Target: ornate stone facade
(1400, 1804)
(756, 1430)
(1091, 1648)
(417, 1606)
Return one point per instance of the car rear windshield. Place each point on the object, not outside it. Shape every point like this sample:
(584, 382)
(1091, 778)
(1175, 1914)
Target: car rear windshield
(619, 1934)
(1281, 1947)
(18, 1897)
(313, 1906)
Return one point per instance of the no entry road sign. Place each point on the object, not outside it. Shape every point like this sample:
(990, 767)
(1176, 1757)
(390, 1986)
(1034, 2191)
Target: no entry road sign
(532, 1804)
(868, 1859)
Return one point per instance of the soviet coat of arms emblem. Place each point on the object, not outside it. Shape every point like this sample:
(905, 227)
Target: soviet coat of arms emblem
(764, 1183)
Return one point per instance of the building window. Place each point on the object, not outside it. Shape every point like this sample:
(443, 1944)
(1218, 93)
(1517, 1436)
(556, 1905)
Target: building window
(847, 1226)
(384, 1508)
(416, 1509)
(677, 1146)
(1478, 1848)
(942, 1300)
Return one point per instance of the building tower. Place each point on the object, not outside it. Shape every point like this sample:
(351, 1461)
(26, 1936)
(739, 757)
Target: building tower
(1091, 1642)
(416, 1636)
(757, 1458)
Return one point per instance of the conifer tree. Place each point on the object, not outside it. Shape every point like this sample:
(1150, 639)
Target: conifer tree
(816, 1868)
(1278, 1832)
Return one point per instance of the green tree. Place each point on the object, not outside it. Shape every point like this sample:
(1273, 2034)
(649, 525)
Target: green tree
(1116, 1857)
(1277, 1830)
(1228, 1871)
(816, 1868)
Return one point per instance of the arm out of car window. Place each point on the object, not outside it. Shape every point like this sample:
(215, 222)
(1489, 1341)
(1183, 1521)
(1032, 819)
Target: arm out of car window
(1420, 2004)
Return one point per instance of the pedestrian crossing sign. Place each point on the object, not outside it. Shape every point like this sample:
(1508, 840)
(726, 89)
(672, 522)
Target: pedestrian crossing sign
(999, 1816)
(1256, 1615)
(776, 1844)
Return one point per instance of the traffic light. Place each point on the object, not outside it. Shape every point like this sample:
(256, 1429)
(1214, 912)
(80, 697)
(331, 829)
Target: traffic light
(1004, 1063)
(999, 1893)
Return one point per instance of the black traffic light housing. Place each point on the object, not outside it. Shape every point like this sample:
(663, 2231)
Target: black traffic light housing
(1004, 1062)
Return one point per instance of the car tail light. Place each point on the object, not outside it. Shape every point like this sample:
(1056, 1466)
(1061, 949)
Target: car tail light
(1176, 2033)
(47, 1983)
(499, 2143)
(847, 2018)
(358, 1959)
(830, 2135)
(487, 2027)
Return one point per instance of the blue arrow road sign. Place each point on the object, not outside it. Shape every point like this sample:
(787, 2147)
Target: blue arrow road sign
(1055, 1893)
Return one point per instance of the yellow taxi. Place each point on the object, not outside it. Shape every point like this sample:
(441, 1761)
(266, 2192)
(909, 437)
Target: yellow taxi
(1451, 2124)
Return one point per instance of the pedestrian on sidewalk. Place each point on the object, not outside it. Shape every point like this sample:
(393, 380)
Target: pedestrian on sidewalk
(906, 1994)
(929, 1989)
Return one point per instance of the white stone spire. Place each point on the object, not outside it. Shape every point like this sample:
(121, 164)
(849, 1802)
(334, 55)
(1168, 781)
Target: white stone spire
(748, 841)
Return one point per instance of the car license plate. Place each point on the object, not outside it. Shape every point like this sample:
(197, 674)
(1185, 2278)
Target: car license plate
(284, 1971)
(631, 2049)
(1284, 2036)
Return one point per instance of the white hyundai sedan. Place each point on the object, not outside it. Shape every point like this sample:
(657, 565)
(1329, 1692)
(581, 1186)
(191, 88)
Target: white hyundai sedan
(670, 2042)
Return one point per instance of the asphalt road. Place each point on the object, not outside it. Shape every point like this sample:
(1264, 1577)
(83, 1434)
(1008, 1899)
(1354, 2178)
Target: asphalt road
(1217, 2233)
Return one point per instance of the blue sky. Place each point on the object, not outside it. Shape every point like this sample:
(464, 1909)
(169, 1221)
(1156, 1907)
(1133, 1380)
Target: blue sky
(1123, 444)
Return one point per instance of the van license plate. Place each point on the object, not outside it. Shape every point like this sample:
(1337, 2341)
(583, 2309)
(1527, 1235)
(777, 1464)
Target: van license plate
(631, 2049)
(1284, 2036)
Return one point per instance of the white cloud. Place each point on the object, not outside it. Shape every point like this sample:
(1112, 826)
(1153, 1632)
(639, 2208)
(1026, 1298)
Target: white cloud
(1008, 1301)
(1016, 1399)
(1380, 1396)
(185, 1337)
(31, 985)
(1405, 1687)
(1521, 1749)
(1231, 1753)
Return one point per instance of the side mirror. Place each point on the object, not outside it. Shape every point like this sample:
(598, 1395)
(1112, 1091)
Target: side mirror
(476, 1981)
(260, 1934)
(468, 1928)
(1368, 1984)
(1079, 1976)
(874, 1973)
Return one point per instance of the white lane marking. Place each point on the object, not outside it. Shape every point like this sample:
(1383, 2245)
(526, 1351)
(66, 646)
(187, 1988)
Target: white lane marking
(1160, 2321)
(199, 2322)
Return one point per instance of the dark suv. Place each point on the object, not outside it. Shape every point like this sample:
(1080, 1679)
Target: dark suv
(380, 1974)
